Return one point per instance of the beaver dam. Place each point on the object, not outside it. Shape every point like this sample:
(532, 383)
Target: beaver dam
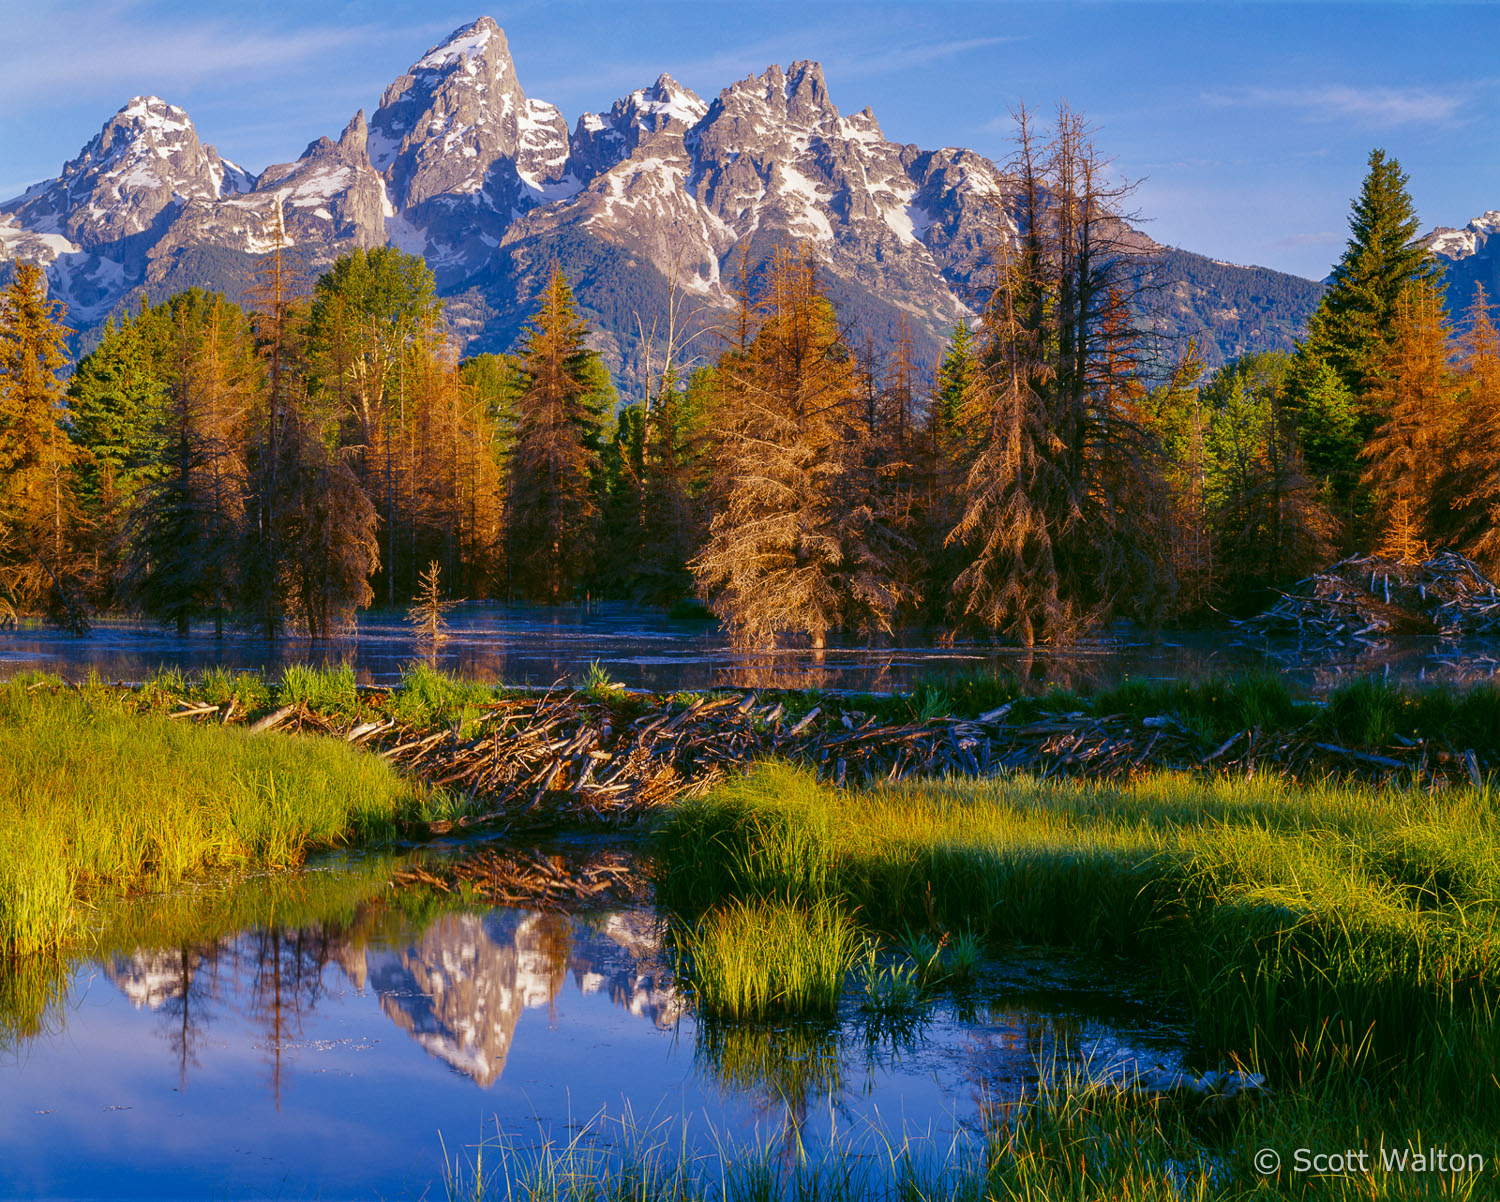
(531, 762)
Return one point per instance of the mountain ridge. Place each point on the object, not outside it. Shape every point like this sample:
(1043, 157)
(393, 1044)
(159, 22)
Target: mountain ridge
(491, 186)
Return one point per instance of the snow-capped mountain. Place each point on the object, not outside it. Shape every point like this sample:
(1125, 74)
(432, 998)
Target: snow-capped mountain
(460, 165)
(1469, 256)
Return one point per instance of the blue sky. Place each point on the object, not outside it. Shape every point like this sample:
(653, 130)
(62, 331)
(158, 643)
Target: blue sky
(1247, 125)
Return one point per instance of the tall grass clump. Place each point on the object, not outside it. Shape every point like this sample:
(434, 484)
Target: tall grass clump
(755, 959)
(427, 697)
(97, 800)
(247, 691)
(325, 690)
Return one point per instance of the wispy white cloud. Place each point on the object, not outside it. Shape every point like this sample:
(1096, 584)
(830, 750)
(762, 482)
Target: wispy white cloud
(109, 48)
(917, 54)
(1295, 241)
(1376, 106)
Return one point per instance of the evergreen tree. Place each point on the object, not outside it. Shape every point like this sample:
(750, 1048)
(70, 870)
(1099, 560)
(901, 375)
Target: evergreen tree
(1349, 334)
(552, 501)
(186, 552)
(37, 507)
(954, 387)
(1328, 427)
(114, 399)
(1351, 328)
(1267, 524)
(1174, 413)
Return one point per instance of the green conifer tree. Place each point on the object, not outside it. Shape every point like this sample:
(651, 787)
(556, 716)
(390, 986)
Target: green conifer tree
(555, 480)
(1349, 335)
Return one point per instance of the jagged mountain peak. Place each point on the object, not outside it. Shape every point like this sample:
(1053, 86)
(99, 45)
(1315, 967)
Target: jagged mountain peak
(355, 138)
(443, 126)
(800, 93)
(152, 112)
(600, 142)
(664, 102)
(466, 46)
(144, 160)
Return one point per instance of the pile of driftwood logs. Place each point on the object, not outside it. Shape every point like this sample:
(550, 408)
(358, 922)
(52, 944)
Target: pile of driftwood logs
(1368, 598)
(562, 759)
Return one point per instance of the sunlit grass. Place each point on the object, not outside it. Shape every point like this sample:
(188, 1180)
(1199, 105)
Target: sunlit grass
(325, 690)
(750, 960)
(93, 798)
(1301, 924)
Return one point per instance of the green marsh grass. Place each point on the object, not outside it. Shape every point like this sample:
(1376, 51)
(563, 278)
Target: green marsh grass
(1306, 927)
(426, 697)
(95, 800)
(1078, 1142)
(325, 690)
(750, 960)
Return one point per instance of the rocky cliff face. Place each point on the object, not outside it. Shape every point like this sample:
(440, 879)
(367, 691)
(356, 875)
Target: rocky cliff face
(460, 165)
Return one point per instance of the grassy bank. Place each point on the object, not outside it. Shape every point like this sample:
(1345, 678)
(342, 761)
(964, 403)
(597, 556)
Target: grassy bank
(96, 800)
(1299, 922)
(1344, 940)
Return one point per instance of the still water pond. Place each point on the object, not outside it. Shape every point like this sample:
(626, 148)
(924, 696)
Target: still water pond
(345, 1056)
(645, 649)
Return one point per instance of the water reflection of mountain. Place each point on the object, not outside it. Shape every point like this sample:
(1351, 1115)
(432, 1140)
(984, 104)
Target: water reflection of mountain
(458, 988)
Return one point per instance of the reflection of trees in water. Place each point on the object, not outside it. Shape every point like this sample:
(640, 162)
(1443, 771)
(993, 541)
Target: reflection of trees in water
(33, 990)
(787, 1068)
(286, 983)
(271, 978)
(182, 985)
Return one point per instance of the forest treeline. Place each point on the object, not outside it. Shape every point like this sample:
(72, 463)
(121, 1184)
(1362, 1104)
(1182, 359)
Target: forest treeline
(282, 465)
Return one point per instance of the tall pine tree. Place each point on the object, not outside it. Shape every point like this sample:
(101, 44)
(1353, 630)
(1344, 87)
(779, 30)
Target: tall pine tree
(1348, 337)
(552, 503)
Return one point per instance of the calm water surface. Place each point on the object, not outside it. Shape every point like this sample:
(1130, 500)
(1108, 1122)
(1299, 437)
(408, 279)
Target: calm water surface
(344, 1057)
(644, 649)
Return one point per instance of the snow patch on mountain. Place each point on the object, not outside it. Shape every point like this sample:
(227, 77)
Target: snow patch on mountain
(33, 244)
(464, 45)
(1460, 244)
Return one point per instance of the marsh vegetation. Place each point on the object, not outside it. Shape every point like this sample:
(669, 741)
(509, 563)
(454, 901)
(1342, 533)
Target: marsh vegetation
(1333, 933)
